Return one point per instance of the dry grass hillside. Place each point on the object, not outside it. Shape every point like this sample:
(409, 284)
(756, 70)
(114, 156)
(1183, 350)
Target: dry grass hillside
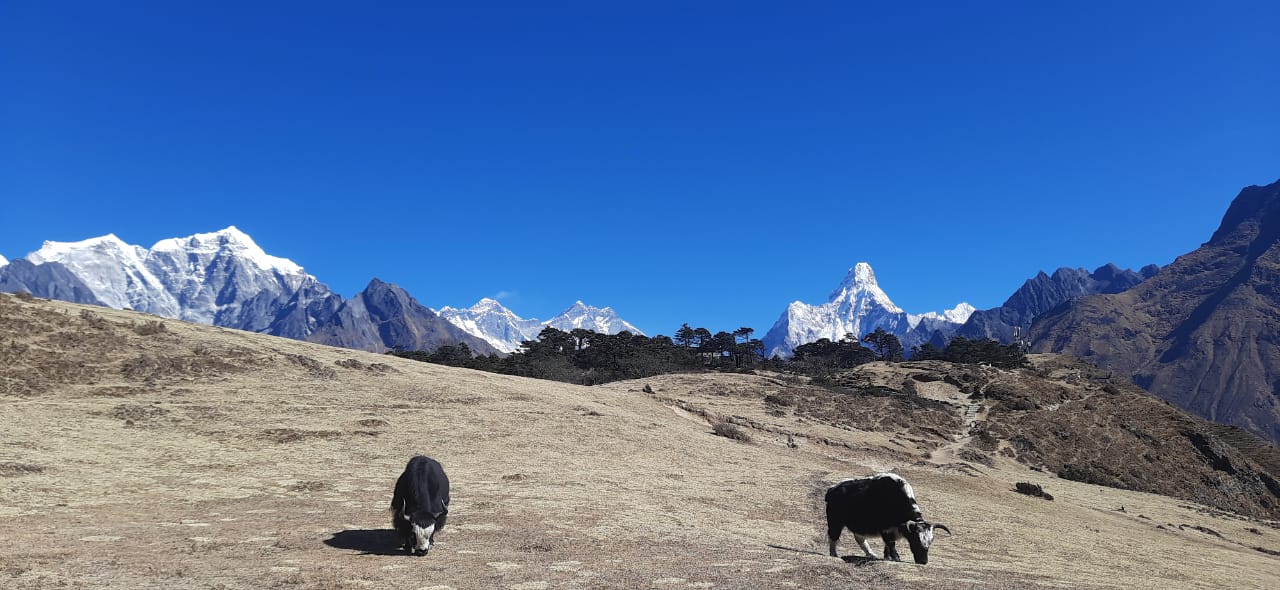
(144, 454)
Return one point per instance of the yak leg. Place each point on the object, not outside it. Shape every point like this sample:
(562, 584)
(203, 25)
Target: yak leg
(890, 551)
(833, 535)
(866, 547)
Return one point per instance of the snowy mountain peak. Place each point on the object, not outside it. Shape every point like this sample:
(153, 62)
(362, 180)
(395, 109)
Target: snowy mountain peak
(490, 321)
(202, 278)
(602, 320)
(956, 315)
(114, 271)
(3, 261)
(233, 241)
(960, 313)
(52, 251)
(488, 304)
(506, 331)
(860, 285)
(858, 306)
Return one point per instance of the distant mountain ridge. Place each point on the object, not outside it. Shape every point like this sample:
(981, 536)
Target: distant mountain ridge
(1204, 333)
(1044, 292)
(491, 321)
(857, 306)
(223, 278)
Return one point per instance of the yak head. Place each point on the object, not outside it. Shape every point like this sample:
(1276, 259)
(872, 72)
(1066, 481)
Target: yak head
(919, 535)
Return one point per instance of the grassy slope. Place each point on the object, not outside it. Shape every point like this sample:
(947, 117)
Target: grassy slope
(203, 458)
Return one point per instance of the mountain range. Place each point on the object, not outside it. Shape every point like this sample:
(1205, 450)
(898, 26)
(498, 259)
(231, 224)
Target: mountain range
(1200, 332)
(504, 330)
(1044, 292)
(225, 279)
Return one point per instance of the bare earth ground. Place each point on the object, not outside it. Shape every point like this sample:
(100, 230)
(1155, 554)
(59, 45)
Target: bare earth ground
(196, 457)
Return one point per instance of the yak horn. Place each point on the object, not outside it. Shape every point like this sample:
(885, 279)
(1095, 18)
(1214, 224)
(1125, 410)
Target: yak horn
(943, 527)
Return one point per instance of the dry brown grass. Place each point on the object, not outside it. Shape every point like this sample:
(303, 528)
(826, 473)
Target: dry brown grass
(250, 469)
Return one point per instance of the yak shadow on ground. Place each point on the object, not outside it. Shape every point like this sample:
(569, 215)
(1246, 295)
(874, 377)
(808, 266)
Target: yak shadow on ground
(367, 541)
(784, 548)
(858, 560)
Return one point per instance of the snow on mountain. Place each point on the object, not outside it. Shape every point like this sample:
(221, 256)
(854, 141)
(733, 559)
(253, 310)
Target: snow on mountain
(597, 319)
(857, 306)
(495, 324)
(3, 262)
(956, 315)
(212, 274)
(116, 272)
(201, 278)
(505, 330)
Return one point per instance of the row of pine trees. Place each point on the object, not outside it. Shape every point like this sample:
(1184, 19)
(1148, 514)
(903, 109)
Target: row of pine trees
(589, 358)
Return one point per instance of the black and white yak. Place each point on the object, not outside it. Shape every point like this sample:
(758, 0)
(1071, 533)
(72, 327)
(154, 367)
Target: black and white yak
(882, 505)
(420, 504)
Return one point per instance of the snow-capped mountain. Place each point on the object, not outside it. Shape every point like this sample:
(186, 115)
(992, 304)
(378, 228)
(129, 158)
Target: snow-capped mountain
(858, 306)
(114, 271)
(223, 278)
(3, 262)
(494, 323)
(501, 327)
(602, 320)
(201, 278)
(211, 275)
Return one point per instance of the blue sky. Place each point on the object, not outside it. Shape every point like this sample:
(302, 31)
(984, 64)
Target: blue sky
(681, 162)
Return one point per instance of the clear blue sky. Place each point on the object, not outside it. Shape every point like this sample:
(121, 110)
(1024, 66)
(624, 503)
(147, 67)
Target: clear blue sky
(681, 162)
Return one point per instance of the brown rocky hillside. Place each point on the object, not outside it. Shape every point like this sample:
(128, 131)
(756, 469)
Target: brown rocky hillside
(1204, 332)
(146, 453)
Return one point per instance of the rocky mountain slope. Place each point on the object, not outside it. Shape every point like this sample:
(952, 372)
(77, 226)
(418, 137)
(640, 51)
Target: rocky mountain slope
(1203, 332)
(50, 280)
(156, 453)
(384, 317)
(857, 306)
(1044, 292)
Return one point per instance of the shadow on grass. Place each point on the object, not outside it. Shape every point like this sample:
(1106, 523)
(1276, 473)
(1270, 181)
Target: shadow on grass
(809, 551)
(367, 541)
(857, 560)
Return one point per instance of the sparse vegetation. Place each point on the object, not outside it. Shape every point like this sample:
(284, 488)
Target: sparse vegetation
(94, 320)
(289, 435)
(13, 469)
(1032, 489)
(730, 430)
(149, 328)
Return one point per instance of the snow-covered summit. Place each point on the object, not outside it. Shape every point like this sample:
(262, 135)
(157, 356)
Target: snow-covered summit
(490, 320)
(857, 306)
(602, 320)
(860, 284)
(3, 261)
(956, 315)
(196, 278)
(232, 241)
(117, 273)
